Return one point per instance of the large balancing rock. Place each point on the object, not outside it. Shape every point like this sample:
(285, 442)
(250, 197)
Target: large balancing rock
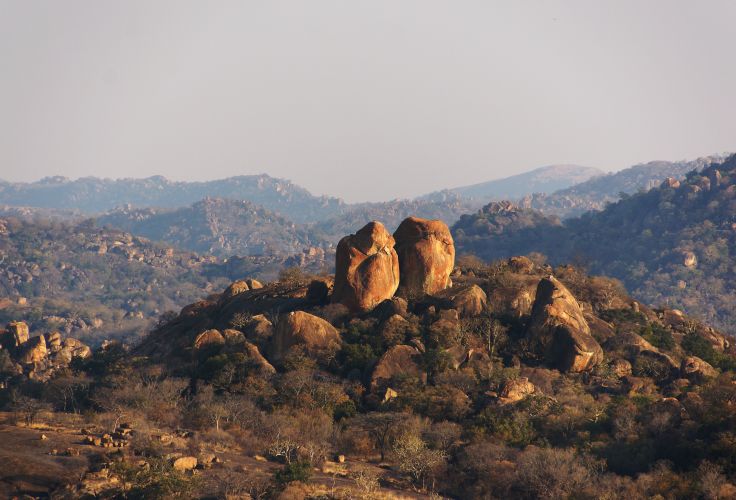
(426, 255)
(366, 268)
(558, 331)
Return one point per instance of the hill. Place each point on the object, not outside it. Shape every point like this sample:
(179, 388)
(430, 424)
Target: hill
(518, 380)
(218, 227)
(84, 280)
(92, 195)
(671, 245)
(540, 180)
(596, 193)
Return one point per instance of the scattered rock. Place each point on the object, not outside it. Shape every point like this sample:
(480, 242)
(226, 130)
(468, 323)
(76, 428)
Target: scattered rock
(366, 268)
(426, 255)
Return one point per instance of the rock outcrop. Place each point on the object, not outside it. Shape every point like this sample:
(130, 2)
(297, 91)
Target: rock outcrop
(315, 335)
(558, 331)
(366, 268)
(426, 255)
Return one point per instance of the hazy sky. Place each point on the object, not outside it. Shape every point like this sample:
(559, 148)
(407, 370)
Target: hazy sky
(367, 100)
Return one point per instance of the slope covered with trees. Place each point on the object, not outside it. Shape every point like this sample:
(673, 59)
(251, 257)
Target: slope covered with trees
(671, 245)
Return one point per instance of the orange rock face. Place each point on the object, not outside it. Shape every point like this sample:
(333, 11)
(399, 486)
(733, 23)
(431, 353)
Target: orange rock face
(426, 255)
(366, 268)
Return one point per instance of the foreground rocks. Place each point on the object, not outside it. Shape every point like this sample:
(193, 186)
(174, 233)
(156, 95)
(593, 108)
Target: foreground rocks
(426, 255)
(366, 268)
(558, 331)
(40, 356)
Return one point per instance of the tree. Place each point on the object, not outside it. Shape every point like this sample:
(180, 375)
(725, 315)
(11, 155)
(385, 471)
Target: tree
(415, 458)
(382, 428)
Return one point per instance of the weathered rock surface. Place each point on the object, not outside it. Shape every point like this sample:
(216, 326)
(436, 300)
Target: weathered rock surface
(208, 338)
(398, 360)
(235, 288)
(257, 359)
(185, 463)
(694, 368)
(426, 255)
(515, 390)
(468, 301)
(558, 331)
(366, 268)
(314, 334)
(19, 332)
(259, 329)
(34, 351)
(521, 264)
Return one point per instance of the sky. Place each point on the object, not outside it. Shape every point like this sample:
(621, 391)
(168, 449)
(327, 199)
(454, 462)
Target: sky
(365, 100)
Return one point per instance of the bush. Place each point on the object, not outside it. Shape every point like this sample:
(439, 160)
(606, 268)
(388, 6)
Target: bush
(295, 471)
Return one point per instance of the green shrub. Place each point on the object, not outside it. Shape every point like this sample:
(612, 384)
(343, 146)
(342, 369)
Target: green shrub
(295, 471)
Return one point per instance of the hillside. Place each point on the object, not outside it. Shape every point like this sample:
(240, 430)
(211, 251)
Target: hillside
(92, 195)
(596, 193)
(515, 380)
(216, 226)
(671, 245)
(85, 281)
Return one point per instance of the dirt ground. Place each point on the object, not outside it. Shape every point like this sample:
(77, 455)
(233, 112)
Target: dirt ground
(43, 459)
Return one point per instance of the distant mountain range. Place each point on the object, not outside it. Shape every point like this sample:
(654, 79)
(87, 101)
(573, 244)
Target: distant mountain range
(92, 195)
(595, 193)
(254, 216)
(541, 180)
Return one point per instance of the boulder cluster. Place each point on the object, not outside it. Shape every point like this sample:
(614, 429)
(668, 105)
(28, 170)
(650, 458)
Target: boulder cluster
(371, 265)
(38, 357)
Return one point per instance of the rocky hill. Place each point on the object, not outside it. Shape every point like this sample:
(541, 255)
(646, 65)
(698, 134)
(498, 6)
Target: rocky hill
(89, 281)
(217, 226)
(596, 193)
(404, 375)
(92, 195)
(670, 245)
